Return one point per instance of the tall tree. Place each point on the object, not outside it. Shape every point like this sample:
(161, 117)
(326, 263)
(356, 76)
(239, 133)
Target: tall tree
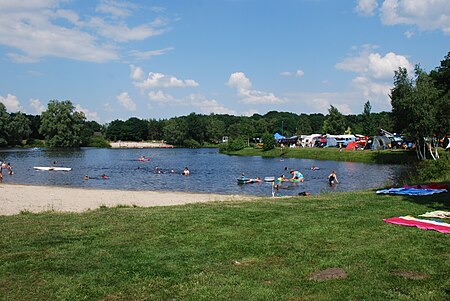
(4, 121)
(335, 123)
(367, 122)
(175, 131)
(441, 76)
(115, 129)
(18, 129)
(400, 95)
(61, 124)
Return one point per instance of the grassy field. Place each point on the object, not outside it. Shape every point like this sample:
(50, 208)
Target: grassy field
(366, 156)
(269, 249)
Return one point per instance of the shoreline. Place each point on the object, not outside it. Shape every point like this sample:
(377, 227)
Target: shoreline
(17, 198)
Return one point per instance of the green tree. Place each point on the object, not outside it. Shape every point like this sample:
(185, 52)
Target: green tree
(335, 123)
(155, 129)
(4, 121)
(269, 142)
(215, 129)
(441, 77)
(115, 129)
(61, 124)
(367, 122)
(135, 129)
(175, 131)
(400, 96)
(18, 129)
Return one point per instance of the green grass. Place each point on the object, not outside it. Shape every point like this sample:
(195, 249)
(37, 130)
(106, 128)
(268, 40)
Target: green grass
(261, 250)
(366, 156)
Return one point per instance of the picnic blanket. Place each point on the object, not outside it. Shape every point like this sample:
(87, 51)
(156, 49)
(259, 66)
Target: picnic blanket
(419, 223)
(410, 191)
(428, 186)
(437, 213)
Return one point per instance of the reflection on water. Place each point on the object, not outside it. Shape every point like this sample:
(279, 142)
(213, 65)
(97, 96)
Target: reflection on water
(210, 171)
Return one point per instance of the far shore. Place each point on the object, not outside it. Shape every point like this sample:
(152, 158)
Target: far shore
(15, 198)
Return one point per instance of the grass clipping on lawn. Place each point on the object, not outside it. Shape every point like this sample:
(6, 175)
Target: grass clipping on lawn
(326, 247)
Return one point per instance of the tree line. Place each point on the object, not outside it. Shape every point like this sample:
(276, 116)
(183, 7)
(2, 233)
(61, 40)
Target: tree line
(420, 109)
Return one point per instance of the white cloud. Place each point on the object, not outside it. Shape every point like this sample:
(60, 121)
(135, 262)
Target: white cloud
(299, 73)
(243, 85)
(239, 81)
(125, 100)
(199, 101)
(11, 103)
(136, 72)
(375, 65)
(161, 97)
(366, 7)
(121, 32)
(374, 74)
(107, 107)
(34, 29)
(207, 106)
(89, 114)
(115, 8)
(146, 55)
(320, 102)
(384, 67)
(37, 105)
(426, 15)
(160, 80)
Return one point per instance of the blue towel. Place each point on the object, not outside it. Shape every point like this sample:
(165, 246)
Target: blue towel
(410, 191)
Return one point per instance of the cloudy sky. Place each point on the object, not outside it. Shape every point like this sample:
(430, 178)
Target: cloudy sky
(159, 59)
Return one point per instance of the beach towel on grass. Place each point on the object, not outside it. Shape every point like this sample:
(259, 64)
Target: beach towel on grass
(419, 223)
(410, 191)
(437, 213)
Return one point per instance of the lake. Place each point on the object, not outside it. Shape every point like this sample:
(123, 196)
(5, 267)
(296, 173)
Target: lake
(211, 172)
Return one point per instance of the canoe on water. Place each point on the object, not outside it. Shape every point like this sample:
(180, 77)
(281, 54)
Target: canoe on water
(52, 168)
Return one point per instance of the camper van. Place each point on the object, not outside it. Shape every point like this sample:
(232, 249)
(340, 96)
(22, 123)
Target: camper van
(309, 141)
(344, 139)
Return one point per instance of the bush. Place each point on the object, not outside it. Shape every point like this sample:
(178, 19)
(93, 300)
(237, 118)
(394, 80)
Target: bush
(268, 141)
(233, 145)
(99, 141)
(434, 170)
(191, 143)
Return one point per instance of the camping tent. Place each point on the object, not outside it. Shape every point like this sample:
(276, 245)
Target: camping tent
(278, 136)
(378, 143)
(351, 145)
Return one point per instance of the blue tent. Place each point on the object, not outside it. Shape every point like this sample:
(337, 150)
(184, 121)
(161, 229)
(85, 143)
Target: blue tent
(278, 136)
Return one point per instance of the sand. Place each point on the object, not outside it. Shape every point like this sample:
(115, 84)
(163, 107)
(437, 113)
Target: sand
(16, 198)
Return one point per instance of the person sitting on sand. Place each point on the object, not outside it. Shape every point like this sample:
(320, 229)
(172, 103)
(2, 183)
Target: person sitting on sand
(296, 175)
(332, 178)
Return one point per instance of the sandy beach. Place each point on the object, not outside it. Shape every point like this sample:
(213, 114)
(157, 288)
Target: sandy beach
(16, 198)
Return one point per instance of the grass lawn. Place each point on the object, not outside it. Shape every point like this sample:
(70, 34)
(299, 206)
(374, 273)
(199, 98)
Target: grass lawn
(263, 250)
(333, 153)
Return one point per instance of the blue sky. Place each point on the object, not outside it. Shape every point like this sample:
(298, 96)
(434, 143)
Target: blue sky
(159, 59)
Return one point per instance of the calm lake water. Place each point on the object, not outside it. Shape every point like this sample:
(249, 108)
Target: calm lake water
(211, 172)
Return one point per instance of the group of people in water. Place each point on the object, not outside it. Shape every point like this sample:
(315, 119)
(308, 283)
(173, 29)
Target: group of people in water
(3, 166)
